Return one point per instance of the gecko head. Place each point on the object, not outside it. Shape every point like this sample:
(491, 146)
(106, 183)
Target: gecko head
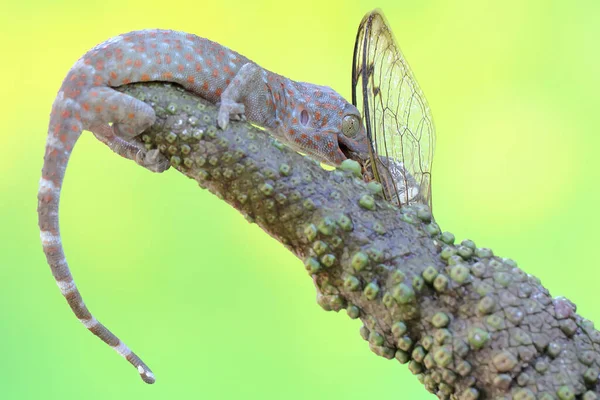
(324, 125)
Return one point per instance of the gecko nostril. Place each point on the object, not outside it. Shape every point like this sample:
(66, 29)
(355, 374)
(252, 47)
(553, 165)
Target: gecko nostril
(304, 117)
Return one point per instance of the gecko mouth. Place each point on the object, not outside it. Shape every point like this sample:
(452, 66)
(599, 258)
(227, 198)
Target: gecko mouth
(347, 151)
(351, 153)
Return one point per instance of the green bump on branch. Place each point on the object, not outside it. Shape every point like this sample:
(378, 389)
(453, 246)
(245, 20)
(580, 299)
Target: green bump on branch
(469, 324)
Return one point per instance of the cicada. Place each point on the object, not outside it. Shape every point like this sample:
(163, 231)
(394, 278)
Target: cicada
(395, 113)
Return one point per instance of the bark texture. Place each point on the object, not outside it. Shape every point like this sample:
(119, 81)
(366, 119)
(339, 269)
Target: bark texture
(468, 324)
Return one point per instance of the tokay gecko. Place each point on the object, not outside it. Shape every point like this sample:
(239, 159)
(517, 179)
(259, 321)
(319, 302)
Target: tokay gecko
(309, 118)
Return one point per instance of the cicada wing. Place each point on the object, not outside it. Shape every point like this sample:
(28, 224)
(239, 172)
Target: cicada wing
(395, 113)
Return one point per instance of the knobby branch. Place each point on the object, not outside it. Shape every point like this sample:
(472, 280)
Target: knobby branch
(468, 324)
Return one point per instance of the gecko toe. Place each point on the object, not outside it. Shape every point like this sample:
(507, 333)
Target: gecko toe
(153, 160)
(223, 119)
(229, 110)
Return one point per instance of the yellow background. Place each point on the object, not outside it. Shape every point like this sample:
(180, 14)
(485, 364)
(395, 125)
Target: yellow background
(216, 307)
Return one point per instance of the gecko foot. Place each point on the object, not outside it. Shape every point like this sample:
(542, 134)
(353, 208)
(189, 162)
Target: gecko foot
(229, 110)
(152, 160)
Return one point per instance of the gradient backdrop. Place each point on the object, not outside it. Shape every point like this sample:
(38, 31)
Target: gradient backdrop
(217, 308)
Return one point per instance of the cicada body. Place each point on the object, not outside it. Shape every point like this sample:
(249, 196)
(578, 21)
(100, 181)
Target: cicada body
(395, 113)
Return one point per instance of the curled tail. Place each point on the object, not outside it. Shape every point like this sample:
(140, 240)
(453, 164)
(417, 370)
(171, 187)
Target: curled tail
(64, 130)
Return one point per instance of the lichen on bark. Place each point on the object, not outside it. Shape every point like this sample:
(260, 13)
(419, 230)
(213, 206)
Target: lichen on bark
(470, 325)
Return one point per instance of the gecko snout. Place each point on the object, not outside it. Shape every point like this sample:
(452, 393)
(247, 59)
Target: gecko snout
(354, 148)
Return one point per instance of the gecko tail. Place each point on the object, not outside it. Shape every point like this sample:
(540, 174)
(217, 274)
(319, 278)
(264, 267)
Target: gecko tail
(64, 130)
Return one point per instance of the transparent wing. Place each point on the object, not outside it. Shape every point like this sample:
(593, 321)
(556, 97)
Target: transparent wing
(395, 113)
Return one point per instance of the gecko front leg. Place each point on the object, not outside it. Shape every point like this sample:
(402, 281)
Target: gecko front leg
(248, 81)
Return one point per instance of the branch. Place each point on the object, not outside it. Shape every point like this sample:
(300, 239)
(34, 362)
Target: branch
(469, 324)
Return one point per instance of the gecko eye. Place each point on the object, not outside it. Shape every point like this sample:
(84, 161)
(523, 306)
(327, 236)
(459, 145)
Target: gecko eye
(304, 117)
(350, 125)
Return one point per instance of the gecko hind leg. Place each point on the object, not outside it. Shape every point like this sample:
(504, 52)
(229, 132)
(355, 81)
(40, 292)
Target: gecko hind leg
(134, 150)
(130, 117)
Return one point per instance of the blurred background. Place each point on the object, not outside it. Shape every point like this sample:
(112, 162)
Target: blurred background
(216, 307)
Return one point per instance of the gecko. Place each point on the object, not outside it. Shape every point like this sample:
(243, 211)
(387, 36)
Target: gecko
(309, 118)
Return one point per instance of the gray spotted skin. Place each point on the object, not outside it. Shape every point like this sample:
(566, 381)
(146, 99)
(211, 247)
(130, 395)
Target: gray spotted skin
(468, 324)
(307, 116)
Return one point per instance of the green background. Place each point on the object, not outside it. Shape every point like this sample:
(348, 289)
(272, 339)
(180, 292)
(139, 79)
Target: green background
(216, 307)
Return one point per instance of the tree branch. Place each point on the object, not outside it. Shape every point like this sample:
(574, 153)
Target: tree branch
(470, 325)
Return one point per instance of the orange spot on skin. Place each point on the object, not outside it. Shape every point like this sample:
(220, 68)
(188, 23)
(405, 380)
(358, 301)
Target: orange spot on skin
(304, 136)
(191, 79)
(80, 83)
(198, 51)
(113, 107)
(325, 119)
(98, 109)
(153, 45)
(318, 115)
(87, 61)
(318, 138)
(219, 91)
(226, 69)
(128, 62)
(140, 49)
(113, 75)
(294, 120)
(65, 114)
(63, 138)
(189, 57)
(330, 145)
(131, 115)
(145, 78)
(292, 132)
(167, 75)
(93, 93)
(137, 63)
(126, 81)
(215, 73)
(227, 82)
(209, 63)
(98, 80)
(72, 93)
(180, 67)
(74, 128)
(198, 67)
(205, 85)
(168, 59)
